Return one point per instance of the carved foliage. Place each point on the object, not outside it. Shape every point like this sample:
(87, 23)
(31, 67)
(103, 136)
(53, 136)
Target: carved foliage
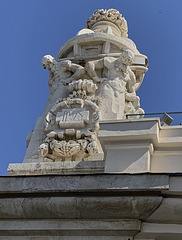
(111, 15)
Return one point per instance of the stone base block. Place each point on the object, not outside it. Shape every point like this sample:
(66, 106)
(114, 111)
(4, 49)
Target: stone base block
(67, 238)
(71, 229)
(66, 167)
(128, 158)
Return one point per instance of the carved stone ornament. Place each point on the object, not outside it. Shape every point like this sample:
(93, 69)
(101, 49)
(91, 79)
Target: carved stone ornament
(111, 15)
(71, 128)
(94, 78)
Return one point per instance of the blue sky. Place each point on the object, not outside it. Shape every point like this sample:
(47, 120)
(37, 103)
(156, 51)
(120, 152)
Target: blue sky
(32, 29)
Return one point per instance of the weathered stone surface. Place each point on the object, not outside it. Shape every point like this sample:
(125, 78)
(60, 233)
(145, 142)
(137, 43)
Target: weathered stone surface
(154, 231)
(173, 213)
(62, 167)
(80, 197)
(66, 237)
(98, 206)
(79, 207)
(109, 183)
(70, 227)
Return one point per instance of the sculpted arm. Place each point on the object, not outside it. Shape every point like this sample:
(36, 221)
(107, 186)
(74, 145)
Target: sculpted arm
(78, 71)
(71, 70)
(139, 80)
(131, 86)
(108, 62)
(91, 68)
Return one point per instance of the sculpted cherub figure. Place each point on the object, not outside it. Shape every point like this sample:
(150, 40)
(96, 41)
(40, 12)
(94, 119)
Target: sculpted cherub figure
(132, 101)
(62, 70)
(118, 83)
(132, 104)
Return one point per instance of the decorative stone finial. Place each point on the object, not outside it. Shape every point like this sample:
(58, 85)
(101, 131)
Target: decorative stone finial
(113, 16)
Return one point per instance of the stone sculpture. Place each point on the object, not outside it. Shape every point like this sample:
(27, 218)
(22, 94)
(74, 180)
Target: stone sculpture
(97, 89)
(95, 77)
(72, 127)
(118, 85)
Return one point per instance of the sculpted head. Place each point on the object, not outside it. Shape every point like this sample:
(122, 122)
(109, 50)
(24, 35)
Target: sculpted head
(127, 57)
(46, 61)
